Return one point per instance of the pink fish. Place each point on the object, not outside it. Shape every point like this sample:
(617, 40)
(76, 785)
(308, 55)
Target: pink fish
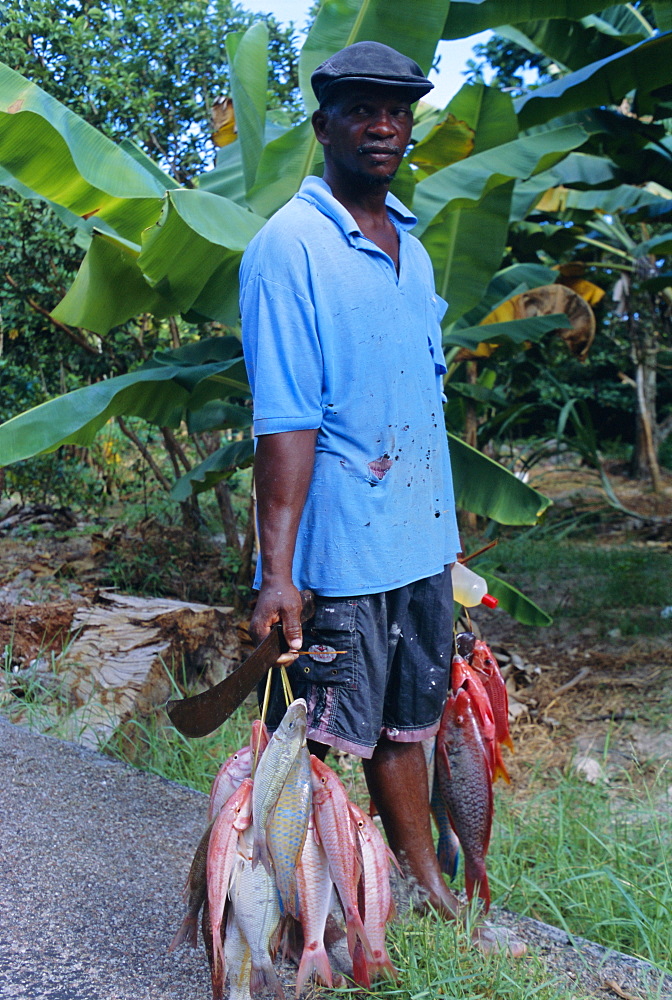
(464, 779)
(229, 777)
(234, 817)
(339, 839)
(377, 899)
(315, 889)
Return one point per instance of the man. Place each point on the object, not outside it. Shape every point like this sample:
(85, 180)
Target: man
(342, 339)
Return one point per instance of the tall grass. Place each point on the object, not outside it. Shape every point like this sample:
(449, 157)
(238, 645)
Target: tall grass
(592, 861)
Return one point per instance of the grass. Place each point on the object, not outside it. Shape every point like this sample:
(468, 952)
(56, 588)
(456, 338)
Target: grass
(606, 586)
(591, 860)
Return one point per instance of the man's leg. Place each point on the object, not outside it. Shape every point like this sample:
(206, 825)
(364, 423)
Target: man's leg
(396, 776)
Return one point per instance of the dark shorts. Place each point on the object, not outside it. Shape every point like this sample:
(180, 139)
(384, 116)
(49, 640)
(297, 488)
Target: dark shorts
(391, 679)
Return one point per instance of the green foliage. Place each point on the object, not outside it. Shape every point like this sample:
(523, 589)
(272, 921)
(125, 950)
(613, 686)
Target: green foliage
(147, 70)
(555, 854)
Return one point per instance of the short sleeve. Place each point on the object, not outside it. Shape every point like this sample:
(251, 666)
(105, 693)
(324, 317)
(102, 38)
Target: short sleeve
(283, 356)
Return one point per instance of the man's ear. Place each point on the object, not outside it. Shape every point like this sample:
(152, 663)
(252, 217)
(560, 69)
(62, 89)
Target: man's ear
(319, 120)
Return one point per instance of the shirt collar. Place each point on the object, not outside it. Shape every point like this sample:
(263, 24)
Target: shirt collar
(318, 192)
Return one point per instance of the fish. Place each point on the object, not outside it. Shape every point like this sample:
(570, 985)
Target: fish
(287, 828)
(484, 662)
(448, 846)
(234, 817)
(195, 892)
(271, 774)
(338, 836)
(465, 783)
(216, 973)
(254, 900)
(259, 738)
(378, 904)
(315, 890)
(463, 675)
(238, 960)
(233, 771)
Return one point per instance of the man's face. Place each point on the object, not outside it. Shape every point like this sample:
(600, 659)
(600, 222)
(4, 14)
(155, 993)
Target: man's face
(365, 133)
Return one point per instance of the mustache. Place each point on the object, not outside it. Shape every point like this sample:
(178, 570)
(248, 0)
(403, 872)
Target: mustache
(378, 147)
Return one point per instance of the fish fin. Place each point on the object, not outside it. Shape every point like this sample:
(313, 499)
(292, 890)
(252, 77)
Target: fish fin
(391, 857)
(499, 769)
(508, 742)
(392, 911)
(448, 853)
(187, 931)
(360, 966)
(265, 977)
(314, 960)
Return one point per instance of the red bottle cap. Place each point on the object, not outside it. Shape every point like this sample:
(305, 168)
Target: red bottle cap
(489, 601)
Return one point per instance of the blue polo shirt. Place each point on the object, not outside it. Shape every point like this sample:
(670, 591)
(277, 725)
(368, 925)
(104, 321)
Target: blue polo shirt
(335, 339)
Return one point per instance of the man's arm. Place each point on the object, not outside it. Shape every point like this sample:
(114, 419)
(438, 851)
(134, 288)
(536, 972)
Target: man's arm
(283, 467)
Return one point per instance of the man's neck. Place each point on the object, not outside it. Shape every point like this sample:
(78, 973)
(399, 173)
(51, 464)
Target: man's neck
(366, 203)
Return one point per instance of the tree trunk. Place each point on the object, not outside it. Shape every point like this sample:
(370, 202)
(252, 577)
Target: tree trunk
(644, 350)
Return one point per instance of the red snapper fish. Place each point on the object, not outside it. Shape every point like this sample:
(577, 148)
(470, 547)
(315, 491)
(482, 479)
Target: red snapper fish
(464, 779)
(233, 771)
(339, 839)
(234, 817)
(376, 897)
(315, 889)
(484, 662)
(463, 675)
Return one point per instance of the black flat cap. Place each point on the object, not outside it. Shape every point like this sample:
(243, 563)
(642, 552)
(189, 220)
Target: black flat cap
(370, 62)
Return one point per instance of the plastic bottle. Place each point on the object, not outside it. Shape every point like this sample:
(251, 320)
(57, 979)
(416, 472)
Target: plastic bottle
(470, 589)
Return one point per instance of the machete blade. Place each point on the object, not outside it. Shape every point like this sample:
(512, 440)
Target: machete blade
(201, 714)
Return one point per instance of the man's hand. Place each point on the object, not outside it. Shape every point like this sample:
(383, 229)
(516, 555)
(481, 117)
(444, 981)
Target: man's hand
(278, 601)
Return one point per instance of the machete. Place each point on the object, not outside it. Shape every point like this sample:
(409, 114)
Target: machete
(201, 714)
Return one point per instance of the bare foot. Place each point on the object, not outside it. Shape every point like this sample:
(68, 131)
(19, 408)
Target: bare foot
(495, 940)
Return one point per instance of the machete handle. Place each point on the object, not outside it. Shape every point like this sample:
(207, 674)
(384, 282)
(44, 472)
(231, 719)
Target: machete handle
(202, 713)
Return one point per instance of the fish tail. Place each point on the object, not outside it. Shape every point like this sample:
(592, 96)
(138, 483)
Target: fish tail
(508, 742)
(187, 931)
(384, 967)
(481, 884)
(360, 966)
(260, 853)
(265, 976)
(217, 950)
(355, 933)
(448, 853)
(314, 959)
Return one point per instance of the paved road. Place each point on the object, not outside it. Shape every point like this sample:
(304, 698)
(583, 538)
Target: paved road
(93, 858)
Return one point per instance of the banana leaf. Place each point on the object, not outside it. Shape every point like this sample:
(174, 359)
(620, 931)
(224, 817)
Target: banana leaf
(197, 242)
(485, 487)
(643, 67)
(58, 155)
(467, 17)
(469, 180)
(513, 602)
(218, 466)
(516, 331)
(160, 394)
(460, 275)
(247, 53)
